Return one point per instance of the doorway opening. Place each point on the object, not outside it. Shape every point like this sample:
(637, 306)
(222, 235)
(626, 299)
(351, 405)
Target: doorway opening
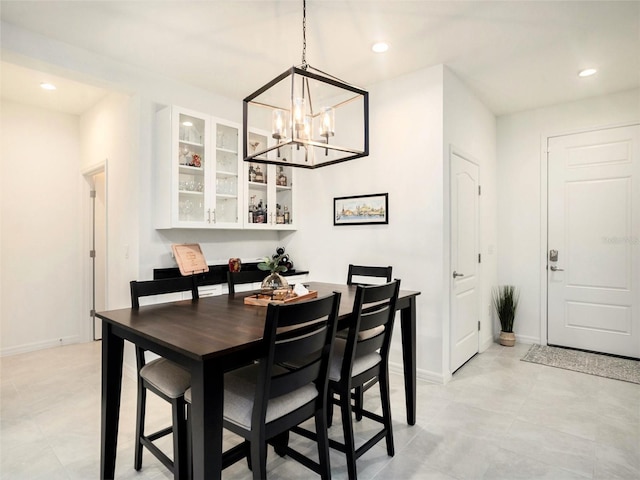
(97, 241)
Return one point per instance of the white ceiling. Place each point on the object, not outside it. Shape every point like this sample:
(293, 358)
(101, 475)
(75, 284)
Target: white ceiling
(515, 55)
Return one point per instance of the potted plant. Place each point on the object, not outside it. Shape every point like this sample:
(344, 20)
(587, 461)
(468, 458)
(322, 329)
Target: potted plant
(505, 302)
(275, 265)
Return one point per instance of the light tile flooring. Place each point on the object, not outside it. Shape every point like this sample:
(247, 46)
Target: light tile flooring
(499, 418)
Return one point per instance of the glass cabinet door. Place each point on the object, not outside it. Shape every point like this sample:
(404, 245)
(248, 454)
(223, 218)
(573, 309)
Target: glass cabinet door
(284, 195)
(192, 158)
(226, 210)
(269, 194)
(257, 192)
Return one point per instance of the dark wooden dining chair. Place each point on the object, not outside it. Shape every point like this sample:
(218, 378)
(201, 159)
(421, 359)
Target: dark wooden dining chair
(360, 358)
(368, 271)
(361, 272)
(167, 380)
(243, 277)
(286, 386)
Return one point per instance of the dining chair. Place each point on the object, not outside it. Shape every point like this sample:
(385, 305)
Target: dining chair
(360, 358)
(367, 271)
(164, 378)
(286, 386)
(243, 277)
(360, 272)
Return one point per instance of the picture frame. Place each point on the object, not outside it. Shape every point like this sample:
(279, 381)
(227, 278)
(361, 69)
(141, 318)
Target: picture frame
(371, 209)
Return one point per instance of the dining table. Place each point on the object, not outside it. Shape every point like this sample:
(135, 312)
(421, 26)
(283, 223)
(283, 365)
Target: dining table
(209, 337)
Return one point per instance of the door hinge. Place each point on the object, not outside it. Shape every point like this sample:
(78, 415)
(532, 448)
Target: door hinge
(479, 258)
(92, 254)
(479, 189)
(92, 313)
(478, 325)
(92, 194)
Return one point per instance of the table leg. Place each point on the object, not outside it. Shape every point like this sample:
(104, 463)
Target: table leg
(112, 351)
(408, 331)
(207, 402)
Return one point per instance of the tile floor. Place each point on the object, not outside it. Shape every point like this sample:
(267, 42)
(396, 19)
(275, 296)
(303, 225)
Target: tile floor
(499, 418)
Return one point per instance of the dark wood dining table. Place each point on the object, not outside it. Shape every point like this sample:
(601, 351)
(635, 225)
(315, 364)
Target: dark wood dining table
(209, 337)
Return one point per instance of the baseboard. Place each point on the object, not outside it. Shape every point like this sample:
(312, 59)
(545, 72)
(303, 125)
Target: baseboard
(426, 375)
(32, 347)
(527, 340)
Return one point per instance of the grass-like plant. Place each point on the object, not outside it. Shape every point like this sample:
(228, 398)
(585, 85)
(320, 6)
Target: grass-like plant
(505, 301)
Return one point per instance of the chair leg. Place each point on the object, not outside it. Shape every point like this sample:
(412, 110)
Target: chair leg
(347, 428)
(323, 444)
(140, 414)
(329, 409)
(259, 459)
(359, 402)
(179, 439)
(280, 443)
(386, 411)
(189, 453)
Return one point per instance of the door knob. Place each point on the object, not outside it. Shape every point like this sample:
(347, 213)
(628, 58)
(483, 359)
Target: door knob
(556, 269)
(456, 274)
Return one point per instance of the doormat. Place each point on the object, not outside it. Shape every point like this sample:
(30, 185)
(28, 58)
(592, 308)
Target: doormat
(608, 366)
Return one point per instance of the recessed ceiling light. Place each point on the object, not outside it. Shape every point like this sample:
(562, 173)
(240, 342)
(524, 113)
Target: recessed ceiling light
(47, 86)
(380, 47)
(587, 72)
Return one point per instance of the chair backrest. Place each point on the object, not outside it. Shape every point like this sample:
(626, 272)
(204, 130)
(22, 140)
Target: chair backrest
(161, 287)
(368, 271)
(300, 336)
(244, 276)
(371, 324)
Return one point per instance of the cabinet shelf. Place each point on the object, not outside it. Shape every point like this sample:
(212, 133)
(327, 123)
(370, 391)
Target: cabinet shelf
(283, 187)
(190, 192)
(191, 170)
(226, 195)
(227, 150)
(226, 174)
(260, 185)
(193, 144)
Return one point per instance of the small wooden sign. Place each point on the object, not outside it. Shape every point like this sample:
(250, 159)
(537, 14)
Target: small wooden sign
(189, 258)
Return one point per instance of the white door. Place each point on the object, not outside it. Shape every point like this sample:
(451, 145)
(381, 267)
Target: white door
(465, 313)
(594, 225)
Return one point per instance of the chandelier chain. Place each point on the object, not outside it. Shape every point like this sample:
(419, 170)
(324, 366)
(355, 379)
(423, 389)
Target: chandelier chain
(304, 34)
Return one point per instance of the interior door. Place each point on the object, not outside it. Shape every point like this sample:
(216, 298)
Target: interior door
(593, 271)
(465, 312)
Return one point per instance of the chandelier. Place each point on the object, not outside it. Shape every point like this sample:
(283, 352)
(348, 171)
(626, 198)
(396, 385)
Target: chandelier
(305, 118)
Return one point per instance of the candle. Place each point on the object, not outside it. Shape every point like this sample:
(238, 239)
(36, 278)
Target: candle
(327, 122)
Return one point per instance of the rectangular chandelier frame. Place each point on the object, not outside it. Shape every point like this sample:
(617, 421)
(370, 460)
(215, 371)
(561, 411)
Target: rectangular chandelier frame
(315, 152)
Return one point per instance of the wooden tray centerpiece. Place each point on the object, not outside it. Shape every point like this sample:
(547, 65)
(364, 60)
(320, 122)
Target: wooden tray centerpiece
(264, 298)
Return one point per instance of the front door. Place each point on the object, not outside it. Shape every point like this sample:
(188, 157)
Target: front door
(465, 315)
(594, 241)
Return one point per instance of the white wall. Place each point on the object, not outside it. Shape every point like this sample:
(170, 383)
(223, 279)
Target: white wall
(406, 161)
(41, 243)
(522, 191)
(470, 127)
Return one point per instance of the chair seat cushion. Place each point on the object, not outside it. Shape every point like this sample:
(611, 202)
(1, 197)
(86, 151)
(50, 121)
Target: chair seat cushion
(360, 364)
(364, 334)
(239, 396)
(166, 376)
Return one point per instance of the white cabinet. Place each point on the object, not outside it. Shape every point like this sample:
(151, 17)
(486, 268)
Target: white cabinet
(197, 171)
(269, 192)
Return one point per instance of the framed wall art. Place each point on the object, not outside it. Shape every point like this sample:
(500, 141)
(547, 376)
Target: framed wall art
(361, 209)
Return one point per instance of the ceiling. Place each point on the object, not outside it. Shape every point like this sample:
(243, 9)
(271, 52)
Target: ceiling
(515, 55)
